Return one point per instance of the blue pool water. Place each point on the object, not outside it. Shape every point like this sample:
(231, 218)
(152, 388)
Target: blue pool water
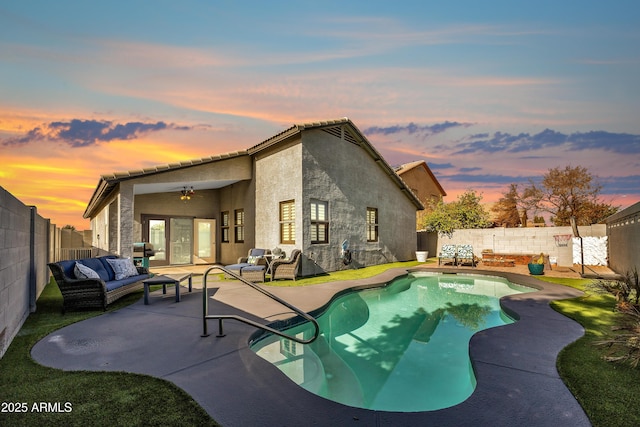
(403, 347)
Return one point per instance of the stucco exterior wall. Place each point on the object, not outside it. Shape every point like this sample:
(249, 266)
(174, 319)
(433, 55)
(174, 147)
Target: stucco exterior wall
(319, 166)
(204, 204)
(623, 230)
(279, 177)
(236, 196)
(419, 181)
(346, 176)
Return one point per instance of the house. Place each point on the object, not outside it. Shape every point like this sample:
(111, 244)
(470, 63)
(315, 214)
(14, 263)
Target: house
(423, 183)
(311, 187)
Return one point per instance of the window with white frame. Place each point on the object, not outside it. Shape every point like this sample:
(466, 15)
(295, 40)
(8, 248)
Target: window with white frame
(288, 222)
(319, 222)
(224, 226)
(238, 225)
(372, 224)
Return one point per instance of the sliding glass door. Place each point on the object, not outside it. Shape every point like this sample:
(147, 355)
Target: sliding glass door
(179, 240)
(180, 235)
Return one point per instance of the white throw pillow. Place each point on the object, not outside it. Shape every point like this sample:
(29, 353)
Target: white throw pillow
(122, 267)
(83, 272)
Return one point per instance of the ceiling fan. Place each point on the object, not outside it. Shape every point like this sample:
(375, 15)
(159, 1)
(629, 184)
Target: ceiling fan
(186, 193)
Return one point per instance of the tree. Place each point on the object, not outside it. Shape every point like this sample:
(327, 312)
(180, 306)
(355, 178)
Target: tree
(465, 212)
(506, 209)
(571, 191)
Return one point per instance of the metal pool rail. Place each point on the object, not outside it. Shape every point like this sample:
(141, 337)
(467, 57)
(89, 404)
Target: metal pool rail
(206, 316)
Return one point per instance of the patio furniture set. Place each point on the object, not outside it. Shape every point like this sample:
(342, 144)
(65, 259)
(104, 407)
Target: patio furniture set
(457, 255)
(97, 282)
(262, 262)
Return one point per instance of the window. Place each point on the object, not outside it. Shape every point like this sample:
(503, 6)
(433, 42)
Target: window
(288, 222)
(319, 222)
(372, 225)
(238, 225)
(224, 226)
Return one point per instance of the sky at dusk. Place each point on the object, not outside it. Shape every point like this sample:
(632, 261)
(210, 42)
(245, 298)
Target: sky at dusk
(487, 93)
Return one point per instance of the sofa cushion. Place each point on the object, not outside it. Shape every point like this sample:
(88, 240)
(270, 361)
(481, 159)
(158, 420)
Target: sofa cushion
(115, 284)
(123, 268)
(81, 271)
(96, 265)
(68, 268)
(107, 266)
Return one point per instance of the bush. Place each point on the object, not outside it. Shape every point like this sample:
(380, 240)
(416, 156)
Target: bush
(624, 344)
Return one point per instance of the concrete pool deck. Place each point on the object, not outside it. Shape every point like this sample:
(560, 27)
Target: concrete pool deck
(515, 365)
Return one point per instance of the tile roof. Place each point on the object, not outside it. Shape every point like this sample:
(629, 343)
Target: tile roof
(108, 181)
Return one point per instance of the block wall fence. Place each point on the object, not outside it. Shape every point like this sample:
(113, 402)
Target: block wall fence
(530, 240)
(28, 242)
(24, 253)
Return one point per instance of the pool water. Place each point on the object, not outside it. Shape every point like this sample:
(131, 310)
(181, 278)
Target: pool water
(403, 347)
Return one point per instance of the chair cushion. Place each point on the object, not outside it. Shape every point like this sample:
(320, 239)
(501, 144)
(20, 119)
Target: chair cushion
(448, 251)
(253, 268)
(465, 251)
(257, 252)
(237, 266)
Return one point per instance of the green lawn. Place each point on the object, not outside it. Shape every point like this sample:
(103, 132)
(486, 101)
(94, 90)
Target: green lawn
(608, 392)
(349, 274)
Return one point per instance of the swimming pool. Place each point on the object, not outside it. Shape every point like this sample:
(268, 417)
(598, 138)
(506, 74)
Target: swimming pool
(401, 347)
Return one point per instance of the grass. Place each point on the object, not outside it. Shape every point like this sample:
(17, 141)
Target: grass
(112, 398)
(349, 274)
(608, 392)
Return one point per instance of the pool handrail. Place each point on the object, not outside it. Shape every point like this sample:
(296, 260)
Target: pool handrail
(206, 316)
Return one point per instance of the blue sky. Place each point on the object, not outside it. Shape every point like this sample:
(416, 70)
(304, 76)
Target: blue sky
(488, 93)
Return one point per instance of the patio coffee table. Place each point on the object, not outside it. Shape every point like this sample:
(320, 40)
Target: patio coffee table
(164, 280)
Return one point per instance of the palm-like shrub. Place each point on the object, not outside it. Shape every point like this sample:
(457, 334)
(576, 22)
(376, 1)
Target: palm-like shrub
(624, 344)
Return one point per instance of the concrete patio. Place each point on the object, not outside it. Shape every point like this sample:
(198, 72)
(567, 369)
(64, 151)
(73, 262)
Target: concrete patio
(515, 365)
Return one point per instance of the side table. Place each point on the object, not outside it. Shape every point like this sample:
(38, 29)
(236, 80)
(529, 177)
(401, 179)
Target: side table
(164, 280)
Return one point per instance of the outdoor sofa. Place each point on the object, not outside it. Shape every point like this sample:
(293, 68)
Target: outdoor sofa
(96, 282)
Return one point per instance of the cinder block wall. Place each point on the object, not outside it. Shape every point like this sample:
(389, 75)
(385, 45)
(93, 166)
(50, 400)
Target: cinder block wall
(24, 248)
(531, 240)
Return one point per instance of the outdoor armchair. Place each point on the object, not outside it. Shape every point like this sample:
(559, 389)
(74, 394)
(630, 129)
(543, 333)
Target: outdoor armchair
(286, 268)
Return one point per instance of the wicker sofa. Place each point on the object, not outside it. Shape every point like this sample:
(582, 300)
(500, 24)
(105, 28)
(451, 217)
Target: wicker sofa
(82, 291)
